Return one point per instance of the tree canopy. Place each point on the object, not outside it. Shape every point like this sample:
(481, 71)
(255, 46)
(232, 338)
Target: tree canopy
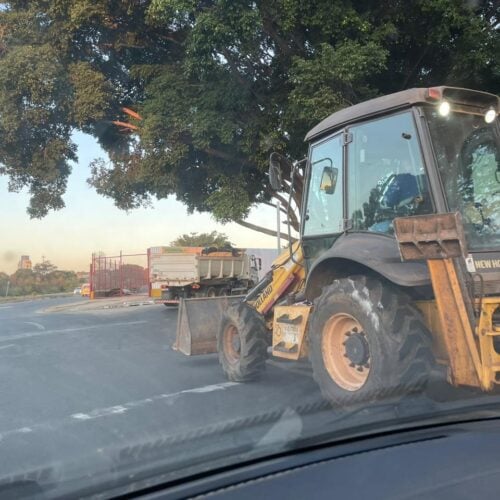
(44, 267)
(219, 84)
(43, 279)
(213, 239)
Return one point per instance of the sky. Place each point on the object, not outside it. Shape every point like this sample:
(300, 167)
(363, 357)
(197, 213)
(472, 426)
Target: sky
(91, 223)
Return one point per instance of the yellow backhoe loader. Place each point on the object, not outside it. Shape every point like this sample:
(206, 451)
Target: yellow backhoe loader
(397, 269)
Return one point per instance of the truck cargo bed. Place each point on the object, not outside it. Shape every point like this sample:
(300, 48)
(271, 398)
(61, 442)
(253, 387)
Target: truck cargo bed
(180, 269)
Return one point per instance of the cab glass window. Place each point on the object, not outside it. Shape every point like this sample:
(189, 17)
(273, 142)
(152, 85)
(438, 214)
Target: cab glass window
(467, 151)
(324, 210)
(386, 174)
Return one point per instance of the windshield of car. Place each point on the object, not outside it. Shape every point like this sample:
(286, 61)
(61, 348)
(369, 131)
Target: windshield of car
(171, 307)
(468, 154)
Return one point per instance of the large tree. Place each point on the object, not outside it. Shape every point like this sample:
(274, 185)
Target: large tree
(219, 84)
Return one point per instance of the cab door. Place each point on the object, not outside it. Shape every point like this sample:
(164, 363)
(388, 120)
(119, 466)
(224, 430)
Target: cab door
(323, 215)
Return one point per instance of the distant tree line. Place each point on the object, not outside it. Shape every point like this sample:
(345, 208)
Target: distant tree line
(42, 279)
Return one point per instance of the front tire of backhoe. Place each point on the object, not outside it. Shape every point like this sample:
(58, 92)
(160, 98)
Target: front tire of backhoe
(242, 343)
(367, 343)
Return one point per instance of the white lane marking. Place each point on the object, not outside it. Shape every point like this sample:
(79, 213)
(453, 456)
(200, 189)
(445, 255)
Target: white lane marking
(21, 430)
(57, 424)
(7, 346)
(6, 307)
(27, 335)
(36, 325)
(119, 409)
(103, 412)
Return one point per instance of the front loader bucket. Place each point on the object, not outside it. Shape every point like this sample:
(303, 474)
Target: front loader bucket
(429, 237)
(198, 322)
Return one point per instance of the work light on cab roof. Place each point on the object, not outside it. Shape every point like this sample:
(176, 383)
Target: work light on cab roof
(490, 113)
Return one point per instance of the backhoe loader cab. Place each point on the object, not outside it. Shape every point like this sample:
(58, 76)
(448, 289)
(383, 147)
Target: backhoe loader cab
(398, 265)
(417, 152)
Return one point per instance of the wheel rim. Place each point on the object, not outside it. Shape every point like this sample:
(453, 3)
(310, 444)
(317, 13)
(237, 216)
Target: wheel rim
(232, 344)
(345, 351)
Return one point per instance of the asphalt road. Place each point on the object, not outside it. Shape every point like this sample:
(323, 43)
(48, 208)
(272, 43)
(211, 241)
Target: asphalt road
(81, 390)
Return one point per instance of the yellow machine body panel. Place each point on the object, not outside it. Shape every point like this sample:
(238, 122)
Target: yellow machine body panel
(486, 332)
(289, 331)
(288, 276)
(488, 360)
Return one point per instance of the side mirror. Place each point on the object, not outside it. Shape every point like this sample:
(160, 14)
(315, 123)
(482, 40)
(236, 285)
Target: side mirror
(329, 180)
(275, 178)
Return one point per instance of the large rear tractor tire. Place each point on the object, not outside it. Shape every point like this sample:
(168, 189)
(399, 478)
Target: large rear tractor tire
(367, 342)
(242, 343)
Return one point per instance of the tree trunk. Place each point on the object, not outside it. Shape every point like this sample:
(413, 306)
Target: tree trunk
(289, 211)
(263, 230)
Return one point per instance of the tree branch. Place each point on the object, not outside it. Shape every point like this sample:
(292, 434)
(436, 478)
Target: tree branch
(298, 186)
(415, 66)
(281, 199)
(172, 39)
(289, 211)
(268, 203)
(216, 153)
(238, 75)
(270, 30)
(186, 138)
(263, 230)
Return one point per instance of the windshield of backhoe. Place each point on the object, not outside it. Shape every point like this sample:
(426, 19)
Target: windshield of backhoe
(467, 150)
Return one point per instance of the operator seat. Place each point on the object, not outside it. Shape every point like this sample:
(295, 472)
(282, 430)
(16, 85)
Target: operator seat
(396, 195)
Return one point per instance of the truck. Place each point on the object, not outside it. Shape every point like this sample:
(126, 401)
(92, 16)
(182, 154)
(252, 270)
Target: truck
(187, 272)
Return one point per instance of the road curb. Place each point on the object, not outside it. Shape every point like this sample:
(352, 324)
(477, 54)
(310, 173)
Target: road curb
(29, 298)
(97, 305)
(130, 304)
